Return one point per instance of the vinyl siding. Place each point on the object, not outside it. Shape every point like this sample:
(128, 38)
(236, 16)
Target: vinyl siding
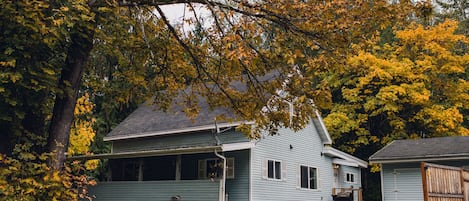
(232, 137)
(307, 148)
(343, 184)
(238, 188)
(195, 139)
(402, 182)
(347, 169)
(193, 190)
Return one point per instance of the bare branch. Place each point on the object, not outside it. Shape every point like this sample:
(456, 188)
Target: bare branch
(155, 2)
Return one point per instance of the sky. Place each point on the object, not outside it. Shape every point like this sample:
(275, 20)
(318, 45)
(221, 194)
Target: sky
(176, 12)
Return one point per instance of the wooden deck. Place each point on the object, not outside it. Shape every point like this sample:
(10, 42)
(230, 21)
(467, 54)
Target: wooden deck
(352, 191)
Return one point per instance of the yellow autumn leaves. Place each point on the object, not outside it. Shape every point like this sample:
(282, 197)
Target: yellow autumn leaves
(82, 132)
(416, 85)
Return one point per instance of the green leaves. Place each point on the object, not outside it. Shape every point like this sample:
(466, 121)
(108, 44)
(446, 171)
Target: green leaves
(25, 176)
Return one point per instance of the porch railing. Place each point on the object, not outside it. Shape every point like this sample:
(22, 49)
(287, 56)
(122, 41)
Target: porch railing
(190, 190)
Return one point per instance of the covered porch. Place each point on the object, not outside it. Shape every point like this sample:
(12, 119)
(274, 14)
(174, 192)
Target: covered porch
(198, 175)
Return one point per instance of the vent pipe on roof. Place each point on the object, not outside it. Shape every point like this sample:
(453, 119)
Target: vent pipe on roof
(217, 129)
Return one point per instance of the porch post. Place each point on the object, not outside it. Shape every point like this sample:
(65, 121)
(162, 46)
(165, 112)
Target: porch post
(178, 167)
(140, 169)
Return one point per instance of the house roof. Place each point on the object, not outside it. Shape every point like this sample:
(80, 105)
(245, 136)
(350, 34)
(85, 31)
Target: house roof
(427, 149)
(147, 121)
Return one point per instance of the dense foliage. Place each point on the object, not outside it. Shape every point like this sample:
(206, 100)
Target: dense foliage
(71, 70)
(416, 86)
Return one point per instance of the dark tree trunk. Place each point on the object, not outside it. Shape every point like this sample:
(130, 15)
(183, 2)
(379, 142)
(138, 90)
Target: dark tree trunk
(69, 83)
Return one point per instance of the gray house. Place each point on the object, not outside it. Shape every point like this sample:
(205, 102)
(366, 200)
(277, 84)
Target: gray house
(401, 174)
(159, 156)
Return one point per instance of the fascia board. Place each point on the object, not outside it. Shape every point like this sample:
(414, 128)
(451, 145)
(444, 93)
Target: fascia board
(237, 146)
(420, 159)
(337, 153)
(137, 154)
(174, 131)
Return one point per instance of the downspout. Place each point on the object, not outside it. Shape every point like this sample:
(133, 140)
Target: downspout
(223, 180)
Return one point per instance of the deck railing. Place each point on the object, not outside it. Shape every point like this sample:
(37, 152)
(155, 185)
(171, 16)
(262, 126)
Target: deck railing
(353, 191)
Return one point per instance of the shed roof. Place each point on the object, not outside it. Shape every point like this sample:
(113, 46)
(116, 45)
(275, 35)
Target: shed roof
(427, 149)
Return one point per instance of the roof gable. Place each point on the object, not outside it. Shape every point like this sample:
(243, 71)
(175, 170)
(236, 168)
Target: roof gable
(423, 149)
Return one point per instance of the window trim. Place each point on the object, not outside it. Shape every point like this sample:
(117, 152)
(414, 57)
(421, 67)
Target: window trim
(266, 169)
(318, 178)
(354, 178)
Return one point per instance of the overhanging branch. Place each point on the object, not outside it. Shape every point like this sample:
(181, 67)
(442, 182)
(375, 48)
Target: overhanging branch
(156, 2)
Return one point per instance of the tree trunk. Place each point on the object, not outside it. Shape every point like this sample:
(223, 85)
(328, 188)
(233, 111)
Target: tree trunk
(69, 84)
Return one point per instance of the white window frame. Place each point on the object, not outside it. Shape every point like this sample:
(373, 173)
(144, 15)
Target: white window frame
(230, 168)
(265, 170)
(299, 177)
(348, 179)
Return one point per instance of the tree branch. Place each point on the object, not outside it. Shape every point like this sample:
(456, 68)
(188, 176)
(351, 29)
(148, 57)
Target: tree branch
(196, 61)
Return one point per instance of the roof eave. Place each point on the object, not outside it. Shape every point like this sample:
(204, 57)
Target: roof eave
(385, 147)
(330, 151)
(169, 132)
(419, 159)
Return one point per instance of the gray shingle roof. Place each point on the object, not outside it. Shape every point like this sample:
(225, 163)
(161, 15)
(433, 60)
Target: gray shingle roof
(426, 149)
(147, 119)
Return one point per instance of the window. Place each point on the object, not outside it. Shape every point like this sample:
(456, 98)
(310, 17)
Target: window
(273, 169)
(124, 169)
(308, 177)
(213, 168)
(350, 178)
(143, 169)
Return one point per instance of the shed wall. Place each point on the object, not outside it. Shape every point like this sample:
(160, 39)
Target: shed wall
(403, 181)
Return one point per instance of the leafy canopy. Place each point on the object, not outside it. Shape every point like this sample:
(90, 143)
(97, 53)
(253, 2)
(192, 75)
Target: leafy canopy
(121, 52)
(414, 87)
